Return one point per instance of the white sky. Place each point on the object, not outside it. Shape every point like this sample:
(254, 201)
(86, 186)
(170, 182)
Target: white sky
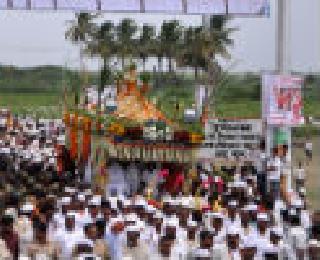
(37, 38)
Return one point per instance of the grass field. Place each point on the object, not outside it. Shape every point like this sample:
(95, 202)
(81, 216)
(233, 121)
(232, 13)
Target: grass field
(39, 104)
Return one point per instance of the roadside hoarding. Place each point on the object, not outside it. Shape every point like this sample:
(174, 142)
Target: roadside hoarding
(120, 5)
(167, 6)
(206, 6)
(41, 4)
(227, 138)
(76, 5)
(3, 4)
(19, 4)
(282, 100)
(254, 7)
(215, 7)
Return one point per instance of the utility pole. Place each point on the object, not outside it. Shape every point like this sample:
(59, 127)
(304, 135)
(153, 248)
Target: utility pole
(282, 68)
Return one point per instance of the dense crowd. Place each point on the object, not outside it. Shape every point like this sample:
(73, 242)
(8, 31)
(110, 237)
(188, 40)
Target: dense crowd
(46, 215)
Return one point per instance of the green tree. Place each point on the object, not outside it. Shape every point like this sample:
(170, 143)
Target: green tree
(126, 39)
(80, 33)
(146, 43)
(103, 45)
(192, 50)
(216, 42)
(170, 38)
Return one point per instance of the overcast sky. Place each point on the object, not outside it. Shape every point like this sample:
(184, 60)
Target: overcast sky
(37, 38)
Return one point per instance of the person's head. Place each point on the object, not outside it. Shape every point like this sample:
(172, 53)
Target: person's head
(183, 216)
(117, 227)
(165, 244)
(40, 229)
(126, 209)
(275, 237)
(132, 236)
(247, 253)
(83, 248)
(90, 231)
(70, 222)
(206, 239)
(262, 225)
(158, 224)
(217, 223)
(245, 218)
(101, 225)
(171, 231)
(232, 212)
(314, 250)
(192, 230)
(7, 224)
(233, 241)
(93, 210)
(271, 256)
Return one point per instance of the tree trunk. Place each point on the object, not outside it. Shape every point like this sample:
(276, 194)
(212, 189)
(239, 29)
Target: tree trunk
(122, 61)
(144, 63)
(159, 64)
(82, 69)
(103, 78)
(170, 65)
(196, 73)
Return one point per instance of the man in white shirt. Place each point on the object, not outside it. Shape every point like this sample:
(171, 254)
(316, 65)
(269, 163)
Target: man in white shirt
(134, 250)
(308, 149)
(69, 236)
(273, 176)
(299, 177)
(262, 237)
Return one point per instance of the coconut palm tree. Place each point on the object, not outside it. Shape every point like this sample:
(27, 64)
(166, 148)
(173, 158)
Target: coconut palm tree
(80, 32)
(170, 38)
(146, 43)
(126, 42)
(192, 51)
(103, 45)
(216, 42)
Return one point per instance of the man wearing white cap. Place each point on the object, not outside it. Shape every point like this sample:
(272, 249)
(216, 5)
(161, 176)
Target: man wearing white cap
(171, 227)
(134, 249)
(191, 243)
(233, 216)
(262, 237)
(69, 236)
(115, 238)
(23, 227)
(205, 242)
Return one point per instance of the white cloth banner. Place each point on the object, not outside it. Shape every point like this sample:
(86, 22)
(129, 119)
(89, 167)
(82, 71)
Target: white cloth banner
(19, 4)
(42, 4)
(248, 6)
(163, 6)
(206, 6)
(77, 5)
(3, 4)
(120, 5)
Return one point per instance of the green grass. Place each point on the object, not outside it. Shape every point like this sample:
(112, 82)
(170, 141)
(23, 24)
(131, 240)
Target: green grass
(32, 90)
(239, 109)
(39, 104)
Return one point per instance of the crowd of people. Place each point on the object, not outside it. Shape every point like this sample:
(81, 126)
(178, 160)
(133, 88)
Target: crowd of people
(46, 215)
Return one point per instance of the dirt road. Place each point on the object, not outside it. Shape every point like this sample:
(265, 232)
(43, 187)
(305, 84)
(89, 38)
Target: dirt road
(312, 172)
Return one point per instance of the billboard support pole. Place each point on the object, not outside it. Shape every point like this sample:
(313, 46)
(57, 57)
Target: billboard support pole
(282, 68)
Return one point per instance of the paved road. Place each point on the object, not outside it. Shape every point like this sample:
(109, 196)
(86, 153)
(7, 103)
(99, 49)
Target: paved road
(312, 173)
